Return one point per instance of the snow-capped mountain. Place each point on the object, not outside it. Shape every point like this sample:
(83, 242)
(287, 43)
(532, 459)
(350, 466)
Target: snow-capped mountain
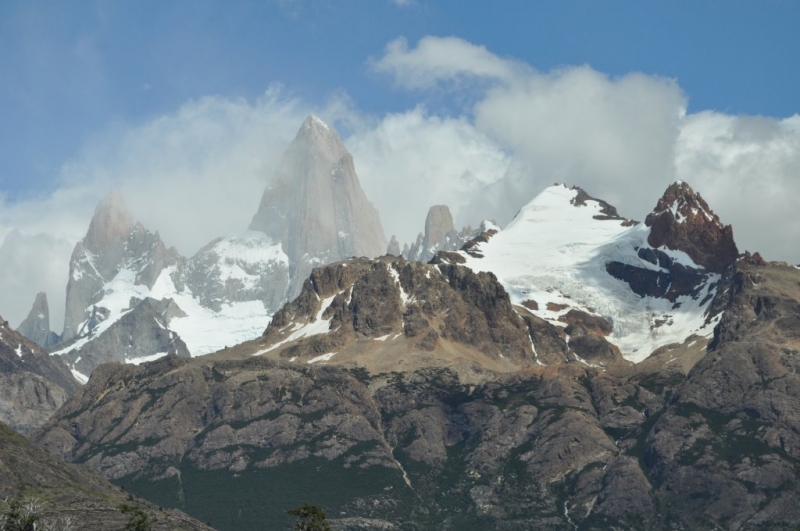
(585, 284)
(653, 282)
(131, 299)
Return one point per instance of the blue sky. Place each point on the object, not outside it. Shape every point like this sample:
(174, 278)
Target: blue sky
(73, 69)
(186, 107)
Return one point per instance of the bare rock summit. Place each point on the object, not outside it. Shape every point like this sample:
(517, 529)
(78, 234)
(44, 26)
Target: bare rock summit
(440, 235)
(36, 326)
(683, 221)
(315, 207)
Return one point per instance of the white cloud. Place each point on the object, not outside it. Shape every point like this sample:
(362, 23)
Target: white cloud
(193, 175)
(197, 173)
(442, 59)
(576, 125)
(408, 162)
(748, 169)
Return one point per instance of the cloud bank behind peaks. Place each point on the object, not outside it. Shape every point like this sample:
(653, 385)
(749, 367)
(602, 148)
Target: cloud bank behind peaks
(622, 138)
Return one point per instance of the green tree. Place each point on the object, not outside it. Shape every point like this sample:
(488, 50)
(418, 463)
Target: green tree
(310, 518)
(138, 520)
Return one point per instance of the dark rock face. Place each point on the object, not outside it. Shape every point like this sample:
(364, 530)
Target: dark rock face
(32, 384)
(673, 281)
(727, 449)
(70, 492)
(36, 326)
(683, 221)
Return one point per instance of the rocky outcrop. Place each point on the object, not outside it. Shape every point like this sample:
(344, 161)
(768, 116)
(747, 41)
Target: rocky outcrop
(73, 497)
(32, 384)
(607, 211)
(670, 281)
(682, 221)
(458, 316)
(727, 448)
(440, 235)
(315, 207)
(96, 259)
(36, 326)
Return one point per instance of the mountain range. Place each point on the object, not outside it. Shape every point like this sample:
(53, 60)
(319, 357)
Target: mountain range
(574, 369)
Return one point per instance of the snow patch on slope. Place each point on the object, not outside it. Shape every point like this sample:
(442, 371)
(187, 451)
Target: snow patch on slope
(315, 327)
(204, 330)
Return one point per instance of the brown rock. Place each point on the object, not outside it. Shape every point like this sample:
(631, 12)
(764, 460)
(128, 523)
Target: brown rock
(683, 221)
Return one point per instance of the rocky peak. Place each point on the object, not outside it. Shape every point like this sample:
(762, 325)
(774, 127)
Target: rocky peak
(683, 221)
(112, 242)
(440, 235)
(36, 326)
(315, 206)
(394, 247)
(109, 228)
(438, 225)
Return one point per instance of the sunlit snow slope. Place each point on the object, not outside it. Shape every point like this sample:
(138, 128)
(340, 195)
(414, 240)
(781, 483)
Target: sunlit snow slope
(555, 252)
(222, 296)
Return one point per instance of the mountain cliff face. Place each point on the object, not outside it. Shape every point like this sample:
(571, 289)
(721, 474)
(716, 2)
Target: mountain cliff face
(315, 206)
(36, 325)
(32, 384)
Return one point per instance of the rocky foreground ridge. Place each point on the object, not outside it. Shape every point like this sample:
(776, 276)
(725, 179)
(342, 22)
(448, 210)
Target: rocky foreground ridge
(695, 437)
